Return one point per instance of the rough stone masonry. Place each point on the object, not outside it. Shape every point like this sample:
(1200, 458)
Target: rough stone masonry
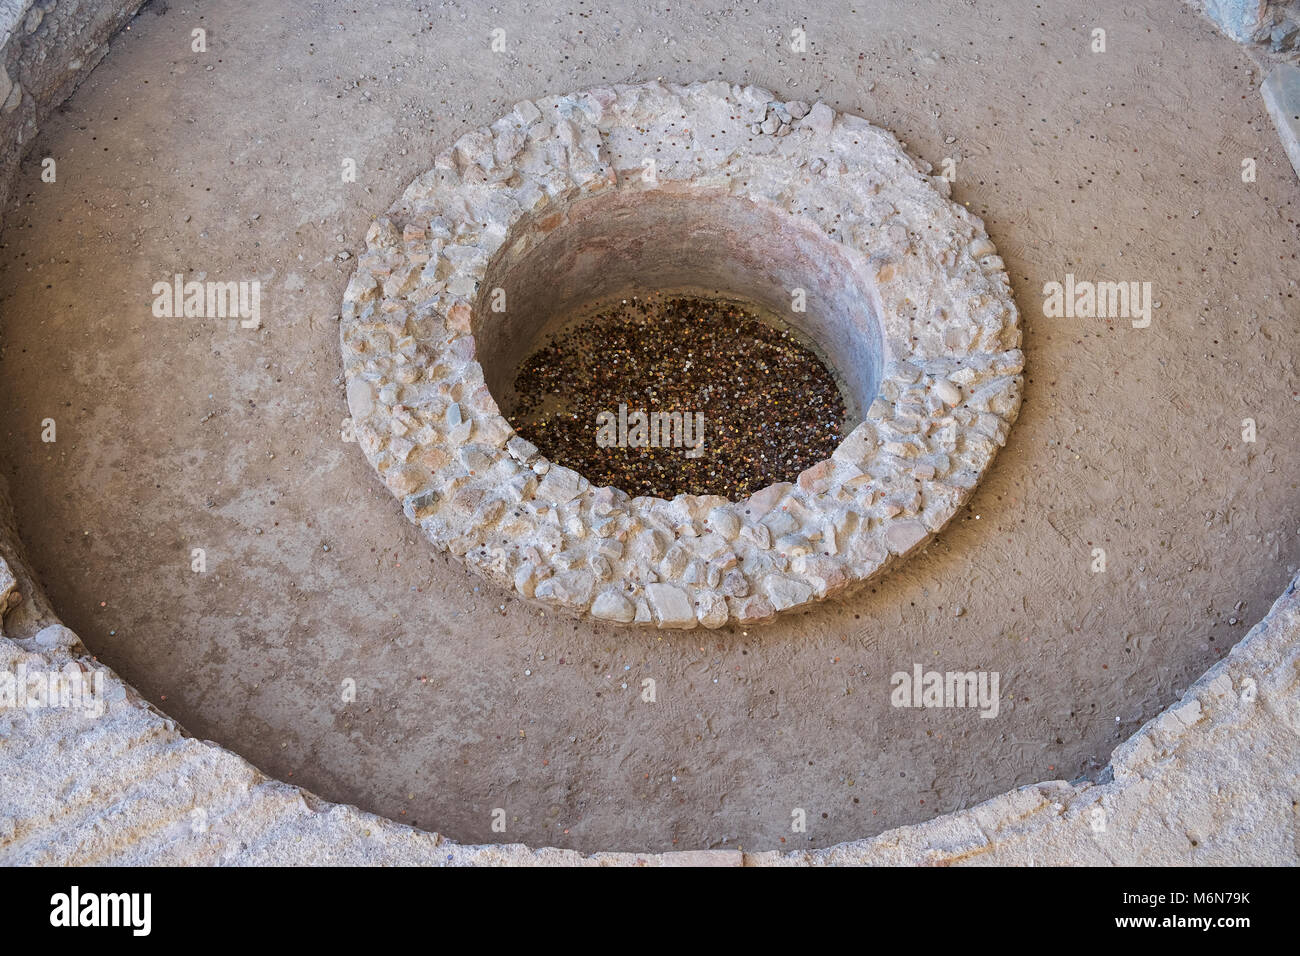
(427, 422)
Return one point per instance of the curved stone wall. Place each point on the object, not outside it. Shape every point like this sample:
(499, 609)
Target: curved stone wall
(1210, 781)
(750, 196)
(47, 47)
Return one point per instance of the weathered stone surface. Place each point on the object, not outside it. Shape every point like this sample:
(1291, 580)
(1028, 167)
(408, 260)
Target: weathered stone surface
(1266, 26)
(784, 591)
(819, 119)
(902, 536)
(560, 485)
(46, 49)
(948, 393)
(712, 609)
(509, 184)
(9, 594)
(670, 605)
(612, 606)
(1281, 92)
(1221, 763)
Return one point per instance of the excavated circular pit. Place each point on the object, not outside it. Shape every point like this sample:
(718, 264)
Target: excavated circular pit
(576, 199)
(625, 243)
(619, 245)
(662, 394)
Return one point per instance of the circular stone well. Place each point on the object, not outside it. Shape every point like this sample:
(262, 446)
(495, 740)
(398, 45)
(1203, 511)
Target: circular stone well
(681, 240)
(709, 186)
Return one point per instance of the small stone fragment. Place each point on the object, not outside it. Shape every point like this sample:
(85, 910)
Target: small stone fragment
(671, 606)
(613, 606)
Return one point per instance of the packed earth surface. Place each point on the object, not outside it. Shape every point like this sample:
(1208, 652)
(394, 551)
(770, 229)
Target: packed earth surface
(183, 434)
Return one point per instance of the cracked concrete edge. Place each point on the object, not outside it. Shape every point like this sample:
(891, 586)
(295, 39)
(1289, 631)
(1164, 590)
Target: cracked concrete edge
(1212, 780)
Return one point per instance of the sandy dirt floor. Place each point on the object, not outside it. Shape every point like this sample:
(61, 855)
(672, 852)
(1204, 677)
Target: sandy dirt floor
(176, 434)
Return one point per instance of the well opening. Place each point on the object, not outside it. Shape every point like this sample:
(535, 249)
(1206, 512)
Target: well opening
(893, 285)
(570, 267)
